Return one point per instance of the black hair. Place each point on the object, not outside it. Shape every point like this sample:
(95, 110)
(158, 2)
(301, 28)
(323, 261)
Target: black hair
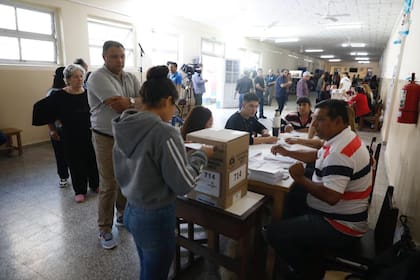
(359, 89)
(58, 81)
(157, 86)
(195, 120)
(80, 62)
(172, 63)
(303, 99)
(111, 44)
(250, 97)
(336, 108)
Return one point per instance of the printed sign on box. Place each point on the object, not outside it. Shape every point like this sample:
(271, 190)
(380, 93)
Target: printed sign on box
(209, 183)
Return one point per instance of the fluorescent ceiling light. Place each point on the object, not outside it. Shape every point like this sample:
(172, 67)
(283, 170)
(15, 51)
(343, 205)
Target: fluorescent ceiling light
(358, 53)
(327, 56)
(357, 45)
(361, 58)
(291, 55)
(363, 61)
(308, 60)
(349, 25)
(334, 60)
(353, 45)
(314, 50)
(286, 40)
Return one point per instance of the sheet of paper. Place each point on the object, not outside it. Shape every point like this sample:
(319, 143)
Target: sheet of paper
(194, 146)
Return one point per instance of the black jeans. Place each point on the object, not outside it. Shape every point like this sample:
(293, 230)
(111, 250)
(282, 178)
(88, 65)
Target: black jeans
(60, 159)
(281, 101)
(302, 238)
(198, 99)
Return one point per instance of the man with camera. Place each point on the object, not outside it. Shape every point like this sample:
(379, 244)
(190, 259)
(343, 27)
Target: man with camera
(199, 85)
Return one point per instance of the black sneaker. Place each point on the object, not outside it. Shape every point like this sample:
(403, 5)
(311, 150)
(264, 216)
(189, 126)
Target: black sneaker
(263, 117)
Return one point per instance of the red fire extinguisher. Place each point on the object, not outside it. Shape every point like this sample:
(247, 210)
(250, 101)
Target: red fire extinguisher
(409, 102)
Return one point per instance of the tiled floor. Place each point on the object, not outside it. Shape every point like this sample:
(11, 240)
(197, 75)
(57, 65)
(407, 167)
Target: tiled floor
(44, 234)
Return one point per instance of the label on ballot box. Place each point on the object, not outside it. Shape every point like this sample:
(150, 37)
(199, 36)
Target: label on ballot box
(237, 176)
(222, 202)
(227, 170)
(209, 183)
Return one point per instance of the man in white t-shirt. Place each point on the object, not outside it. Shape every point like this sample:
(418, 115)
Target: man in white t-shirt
(334, 215)
(345, 82)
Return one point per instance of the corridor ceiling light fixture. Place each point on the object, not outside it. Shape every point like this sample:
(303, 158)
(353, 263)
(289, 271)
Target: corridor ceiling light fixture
(361, 58)
(334, 60)
(327, 56)
(353, 45)
(286, 40)
(358, 53)
(293, 56)
(308, 60)
(314, 50)
(364, 61)
(349, 25)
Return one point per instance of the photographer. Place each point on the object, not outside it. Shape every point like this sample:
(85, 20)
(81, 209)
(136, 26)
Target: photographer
(199, 85)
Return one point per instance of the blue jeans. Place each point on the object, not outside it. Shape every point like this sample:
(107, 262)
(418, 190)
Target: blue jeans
(241, 98)
(153, 231)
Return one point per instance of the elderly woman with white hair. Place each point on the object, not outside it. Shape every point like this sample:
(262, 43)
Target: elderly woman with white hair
(70, 106)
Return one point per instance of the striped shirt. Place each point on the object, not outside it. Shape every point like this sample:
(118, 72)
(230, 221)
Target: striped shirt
(343, 165)
(295, 120)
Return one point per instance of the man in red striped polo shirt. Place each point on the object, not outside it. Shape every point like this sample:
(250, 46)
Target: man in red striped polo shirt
(335, 213)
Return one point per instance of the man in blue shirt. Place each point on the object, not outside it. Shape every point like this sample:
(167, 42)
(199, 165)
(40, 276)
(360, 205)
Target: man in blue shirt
(199, 85)
(282, 84)
(175, 76)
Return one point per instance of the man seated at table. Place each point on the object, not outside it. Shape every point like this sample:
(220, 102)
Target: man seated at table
(334, 215)
(299, 121)
(245, 120)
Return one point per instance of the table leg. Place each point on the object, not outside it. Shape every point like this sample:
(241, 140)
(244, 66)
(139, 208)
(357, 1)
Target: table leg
(19, 144)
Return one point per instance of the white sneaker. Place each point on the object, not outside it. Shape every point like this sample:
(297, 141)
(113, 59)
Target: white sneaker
(63, 183)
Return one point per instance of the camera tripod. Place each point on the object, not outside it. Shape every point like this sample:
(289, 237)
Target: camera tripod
(186, 102)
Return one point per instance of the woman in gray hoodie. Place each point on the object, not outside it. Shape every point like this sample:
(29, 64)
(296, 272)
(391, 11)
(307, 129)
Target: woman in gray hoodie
(152, 168)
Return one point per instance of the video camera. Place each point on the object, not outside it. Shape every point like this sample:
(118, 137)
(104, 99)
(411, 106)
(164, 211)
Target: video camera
(190, 69)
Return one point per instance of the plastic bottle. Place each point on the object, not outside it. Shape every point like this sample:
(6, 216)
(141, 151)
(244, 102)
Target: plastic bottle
(276, 123)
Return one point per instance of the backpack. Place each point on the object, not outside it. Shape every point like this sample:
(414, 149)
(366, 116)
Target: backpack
(400, 262)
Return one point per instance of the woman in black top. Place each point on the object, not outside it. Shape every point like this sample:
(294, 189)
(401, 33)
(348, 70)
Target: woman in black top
(71, 107)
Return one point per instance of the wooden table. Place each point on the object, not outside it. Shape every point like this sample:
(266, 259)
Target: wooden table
(10, 132)
(238, 222)
(277, 191)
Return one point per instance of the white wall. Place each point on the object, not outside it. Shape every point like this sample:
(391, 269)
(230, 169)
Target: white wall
(403, 149)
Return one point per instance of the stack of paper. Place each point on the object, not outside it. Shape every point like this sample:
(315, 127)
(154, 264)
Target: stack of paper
(268, 171)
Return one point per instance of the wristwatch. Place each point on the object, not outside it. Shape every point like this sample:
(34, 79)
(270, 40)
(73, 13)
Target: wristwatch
(132, 102)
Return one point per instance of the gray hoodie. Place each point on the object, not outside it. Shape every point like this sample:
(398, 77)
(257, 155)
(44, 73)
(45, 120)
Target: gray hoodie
(150, 162)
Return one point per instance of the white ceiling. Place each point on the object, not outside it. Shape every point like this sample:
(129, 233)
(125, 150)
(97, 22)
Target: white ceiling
(305, 19)
(271, 19)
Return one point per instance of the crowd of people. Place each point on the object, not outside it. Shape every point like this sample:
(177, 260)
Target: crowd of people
(113, 136)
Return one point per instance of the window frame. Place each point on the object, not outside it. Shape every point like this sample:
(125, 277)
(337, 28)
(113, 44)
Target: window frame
(31, 35)
(113, 24)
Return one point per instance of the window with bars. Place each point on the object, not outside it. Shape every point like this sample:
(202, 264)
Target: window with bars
(27, 34)
(100, 31)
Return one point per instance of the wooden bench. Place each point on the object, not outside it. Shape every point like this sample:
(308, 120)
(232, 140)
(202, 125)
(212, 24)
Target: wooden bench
(10, 132)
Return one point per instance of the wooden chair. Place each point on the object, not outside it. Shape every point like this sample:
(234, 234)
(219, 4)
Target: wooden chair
(10, 132)
(360, 258)
(372, 119)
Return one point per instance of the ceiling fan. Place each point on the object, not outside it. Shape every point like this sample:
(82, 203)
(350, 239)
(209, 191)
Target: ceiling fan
(331, 17)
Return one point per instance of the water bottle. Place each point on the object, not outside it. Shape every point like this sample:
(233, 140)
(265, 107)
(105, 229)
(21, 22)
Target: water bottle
(276, 123)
